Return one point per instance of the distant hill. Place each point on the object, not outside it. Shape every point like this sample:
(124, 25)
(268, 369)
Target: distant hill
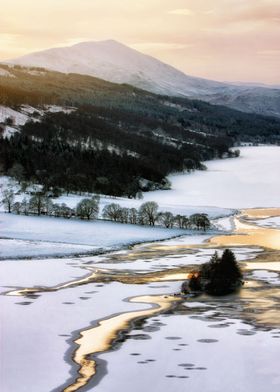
(115, 62)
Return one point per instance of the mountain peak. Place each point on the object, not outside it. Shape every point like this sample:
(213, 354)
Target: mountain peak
(115, 62)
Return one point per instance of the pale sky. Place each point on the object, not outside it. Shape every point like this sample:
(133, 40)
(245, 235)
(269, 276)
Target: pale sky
(234, 40)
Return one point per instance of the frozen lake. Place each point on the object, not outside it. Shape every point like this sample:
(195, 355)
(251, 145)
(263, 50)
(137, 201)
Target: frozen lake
(252, 180)
(188, 347)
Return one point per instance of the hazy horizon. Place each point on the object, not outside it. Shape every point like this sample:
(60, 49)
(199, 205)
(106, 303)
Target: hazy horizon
(224, 40)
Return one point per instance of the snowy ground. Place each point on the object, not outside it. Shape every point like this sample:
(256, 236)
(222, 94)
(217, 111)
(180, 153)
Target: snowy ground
(53, 327)
(185, 351)
(56, 236)
(26, 113)
(245, 182)
(42, 338)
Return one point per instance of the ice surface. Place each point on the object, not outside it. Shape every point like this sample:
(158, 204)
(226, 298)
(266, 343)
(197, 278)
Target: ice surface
(185, 354)
(245, 182)
(270, 222)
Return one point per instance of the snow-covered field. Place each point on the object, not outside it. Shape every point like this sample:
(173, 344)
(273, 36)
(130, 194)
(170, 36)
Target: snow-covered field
(23, 236)
(165, 204)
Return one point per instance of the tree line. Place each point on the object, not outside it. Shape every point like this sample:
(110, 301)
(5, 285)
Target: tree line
(82, 151)
(147, 214)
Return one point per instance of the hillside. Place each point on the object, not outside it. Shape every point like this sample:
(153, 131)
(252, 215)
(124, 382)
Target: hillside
(112, 61)
(115, 139)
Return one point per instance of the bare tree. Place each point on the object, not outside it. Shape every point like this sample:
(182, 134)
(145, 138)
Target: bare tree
(166, 219)
(200, 221)
(48, 207)
(179, 221)
(25, 206)
(124, 215)
(65, 211)
(133, 216)
(16, 207)
(8, 199)
(148, 213)
(88, 208)
(37, 203)
(112, 212)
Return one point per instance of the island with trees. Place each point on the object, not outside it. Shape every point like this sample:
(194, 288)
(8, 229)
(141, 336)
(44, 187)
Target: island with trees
(220, 276)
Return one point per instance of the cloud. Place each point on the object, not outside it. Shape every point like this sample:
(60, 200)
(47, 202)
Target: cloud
(181, 11)
(6, 38)
(269, 52)
(258, 13)
(73, 41)
(147, 46)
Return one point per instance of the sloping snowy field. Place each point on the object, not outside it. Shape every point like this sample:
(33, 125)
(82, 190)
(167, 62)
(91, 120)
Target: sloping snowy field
(23, 236)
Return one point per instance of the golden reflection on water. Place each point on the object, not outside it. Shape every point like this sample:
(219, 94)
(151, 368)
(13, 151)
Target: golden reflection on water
(259, 303)
(261, 213)
(249, 234)
(99, 339)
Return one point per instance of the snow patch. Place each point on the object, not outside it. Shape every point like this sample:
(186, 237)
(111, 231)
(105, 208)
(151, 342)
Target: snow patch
(5, 73)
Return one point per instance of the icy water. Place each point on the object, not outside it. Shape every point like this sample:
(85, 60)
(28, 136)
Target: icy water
(111, 322)
(118, 324)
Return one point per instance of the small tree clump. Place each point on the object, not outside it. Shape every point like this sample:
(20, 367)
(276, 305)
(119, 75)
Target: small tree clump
(220, 276)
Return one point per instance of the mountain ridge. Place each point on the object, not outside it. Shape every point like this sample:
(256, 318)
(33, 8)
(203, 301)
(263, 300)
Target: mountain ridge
(115, 62)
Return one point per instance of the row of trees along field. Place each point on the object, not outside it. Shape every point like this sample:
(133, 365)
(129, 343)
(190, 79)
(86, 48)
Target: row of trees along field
(88, 208)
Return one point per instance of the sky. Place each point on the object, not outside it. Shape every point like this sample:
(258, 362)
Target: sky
(226, 40)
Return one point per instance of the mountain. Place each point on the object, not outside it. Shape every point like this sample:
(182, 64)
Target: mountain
(115, 62)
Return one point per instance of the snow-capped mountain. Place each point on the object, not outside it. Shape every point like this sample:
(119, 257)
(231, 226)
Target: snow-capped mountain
(115, 62)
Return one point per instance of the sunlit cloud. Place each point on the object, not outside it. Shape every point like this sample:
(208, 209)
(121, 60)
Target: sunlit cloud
(6, 38)
(182, 11)
(272, 52)
(146, 46)
(73, 41)
(221, 39)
